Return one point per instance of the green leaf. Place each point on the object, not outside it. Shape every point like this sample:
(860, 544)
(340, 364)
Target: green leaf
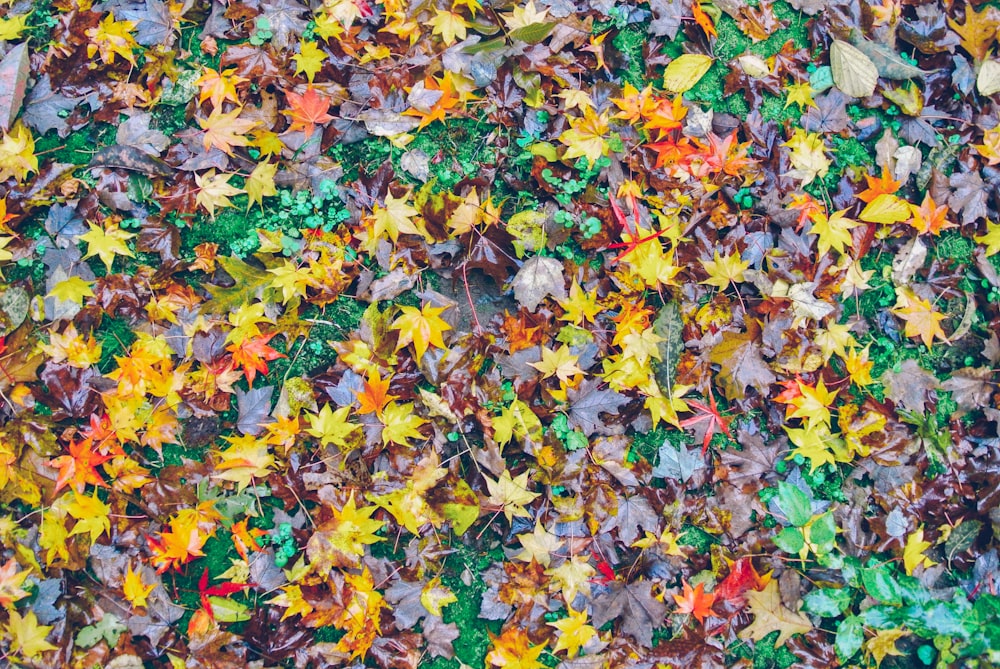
(850, 636)
(827, 602)
(249, 281)
(794, 503)
(228, 610)
(534, 33)
(823, 531)
(108, 628)
(790, 540)
(880, 584)
(962, 536)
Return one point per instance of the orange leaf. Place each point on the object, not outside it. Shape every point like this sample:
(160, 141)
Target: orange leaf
(929, 217)
(375, 395)
(695, 601)
(79, 467)
(307, 110)
(253, 355)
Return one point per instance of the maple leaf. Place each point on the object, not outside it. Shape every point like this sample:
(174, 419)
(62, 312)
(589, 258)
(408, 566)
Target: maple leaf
(742, 577)
(91, 515)
(635, 603)
(293, 601)
(559, 363)
(205, 591)
(770, 615)
(929, 217)
(112, 38)
(449, 25)
(978, 31)
(226, 130)
(920, 317)
(832, 232)
(135, 589)
(509, 495)
(422, 327)
(214, 190)
(189, 530)
(913, 552)
(332, 427)
(881, 185)
(107, 243)
(724, 270)
(818, 444)
(396, 217)
(79, 467)
(991, 238)
(884, 643)
(708, 413)
(512, 650)
(219, 86)
(341, 541)
(10, 583)
(800, 94)
(27, 637)
(12, 26)
(580, 306)
(309, 60)
(17, 153)
(741, 365)
(695, 601)
(538, 545)
(260, 183)
(807, 156)
(307, 110)
(585, 138)
(375, 395)
(245, 459)
(253, 354)
(575, 632)
(400, 423)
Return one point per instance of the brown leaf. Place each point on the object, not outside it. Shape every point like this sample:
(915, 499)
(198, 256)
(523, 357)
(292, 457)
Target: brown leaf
(740, 362)
(640, 612)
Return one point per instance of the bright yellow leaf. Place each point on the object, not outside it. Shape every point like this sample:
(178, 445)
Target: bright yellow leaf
(575, 632)
(27, 637)
(135, 589)
(510, 495)
(723, 270)
(332, 427)
(309, 60)
(913, 552)
(422, 327)
(107, 243)
(214, 191)
(112, 38)
(260, 183)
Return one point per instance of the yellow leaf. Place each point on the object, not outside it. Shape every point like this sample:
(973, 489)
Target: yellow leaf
(538, 545)
(449, 26)
(309, 60)
(219, 86)
(136, 591)
(921, 318)
(559, 363)
(10, 583)
(91, 515)
(801, 95)
(685, 71)
(887, 209)
(260, 183)
(770, 615)
(511, 650)
(12, 26)
(293, 602)
(27, 637)
(586, 136)
(107, 243)
(214, 191)
(73, 289)
(17, 154)
(400, 423)
(341, 541)
(991, 238)
(575, 632)
(112, 38)
(245, 459)
(807, 156)
(435, 596)
(510, 495)
(913, 552)
(226, 130)
(422, 327)
(332, 427)
(884, 643)
(723, 270)
(572, 577)
(522, 17)
(817, 444)
(396, 218)
(833, 232)
(516, 420)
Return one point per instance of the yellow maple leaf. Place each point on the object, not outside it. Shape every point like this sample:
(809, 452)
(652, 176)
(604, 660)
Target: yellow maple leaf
(341, 541)
(71, 347)
(309, 60)
(770, 615)
(73, 289)
(833, 232)
(214, 190)
(512, 650)
(396, 217)
(332, 427)
(112, 38)
(11, 581)
(516, 420)
(801, 95)
(886, 209)
(226, 130)
(586, 136)
(818, 444)
(17, 154)
(812, 404)
(422, 327)
(991, 238)
(107, 243)
(448, 25)
(91, 515)
(219, 86)
(913, 552)
(920, 317)
(723, 270)
(12, 26)
(260, 183)
(580, 306)
(559, 363)
(293, 602)
(435, 596)
(135, 589)
(538, 545)
(572, 577)
(575, 632)
(807, 156)
(246, 458)
(649, 262)
(27, 637)
(510, 494)
(400, 423)
(522, 17)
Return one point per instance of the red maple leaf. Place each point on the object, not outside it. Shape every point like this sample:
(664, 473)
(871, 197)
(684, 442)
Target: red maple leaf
(253, 355)
(221, 590)
(695, 601)
(742, 577)
(79, 467)
(712, 415)
(307, 110)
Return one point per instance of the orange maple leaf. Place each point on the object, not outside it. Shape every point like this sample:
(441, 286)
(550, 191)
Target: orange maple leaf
(884, 185)
(375, 395)
(253, 354)
(79, 467)
(695, 601)
(307, 110)
(929, 217)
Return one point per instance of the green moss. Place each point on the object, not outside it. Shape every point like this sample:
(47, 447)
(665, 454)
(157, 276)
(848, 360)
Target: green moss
(952, 245)
(234, 230)
(630, 41)
(462, 151)
(77, 147)
(763, 653)
(115, 336)
(371, 153)
(697, 538)
(332, 323)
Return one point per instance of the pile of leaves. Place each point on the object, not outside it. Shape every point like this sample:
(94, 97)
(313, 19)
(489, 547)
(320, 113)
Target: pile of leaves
(568, 333)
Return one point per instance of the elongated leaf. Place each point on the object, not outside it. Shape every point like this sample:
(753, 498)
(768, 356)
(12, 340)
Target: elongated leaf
(685, 71)
(853, 72)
